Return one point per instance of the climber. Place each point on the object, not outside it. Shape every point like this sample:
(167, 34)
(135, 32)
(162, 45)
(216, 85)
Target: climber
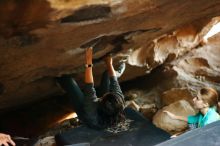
(97, 112)
(206, 102)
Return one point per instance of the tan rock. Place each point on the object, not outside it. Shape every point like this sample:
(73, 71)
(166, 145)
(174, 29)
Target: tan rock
(176, 94)
(148, 110)
(142, 97)
(180, 108)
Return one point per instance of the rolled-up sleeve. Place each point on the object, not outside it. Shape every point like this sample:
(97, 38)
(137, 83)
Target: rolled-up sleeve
(90, 92)
(90, 101)
(90, 104)
(114, 86)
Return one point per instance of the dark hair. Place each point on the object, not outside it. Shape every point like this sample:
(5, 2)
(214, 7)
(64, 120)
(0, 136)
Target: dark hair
(209, 95)
(111, 109)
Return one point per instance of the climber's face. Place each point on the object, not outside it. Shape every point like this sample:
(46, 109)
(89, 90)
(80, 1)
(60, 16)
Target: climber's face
(198, 102)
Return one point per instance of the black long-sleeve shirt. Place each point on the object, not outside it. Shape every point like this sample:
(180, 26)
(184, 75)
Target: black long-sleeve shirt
(90, 105)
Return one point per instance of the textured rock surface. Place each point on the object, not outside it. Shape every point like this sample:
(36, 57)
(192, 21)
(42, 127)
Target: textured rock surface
(176, 94)
(201, 66)
(43, 39)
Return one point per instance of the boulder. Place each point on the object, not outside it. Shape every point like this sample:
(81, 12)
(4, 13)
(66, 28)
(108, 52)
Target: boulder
(180, 108)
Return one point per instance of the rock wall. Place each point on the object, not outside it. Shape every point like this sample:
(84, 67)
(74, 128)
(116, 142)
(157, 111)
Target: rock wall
(43, 39)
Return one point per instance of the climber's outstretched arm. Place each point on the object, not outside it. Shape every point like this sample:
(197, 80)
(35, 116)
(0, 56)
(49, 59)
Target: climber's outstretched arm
(88, 64)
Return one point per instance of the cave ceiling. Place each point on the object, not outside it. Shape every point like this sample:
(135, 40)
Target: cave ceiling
(44, 39)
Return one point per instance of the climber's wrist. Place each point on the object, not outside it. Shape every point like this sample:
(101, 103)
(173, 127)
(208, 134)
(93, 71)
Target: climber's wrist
(88, 65)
